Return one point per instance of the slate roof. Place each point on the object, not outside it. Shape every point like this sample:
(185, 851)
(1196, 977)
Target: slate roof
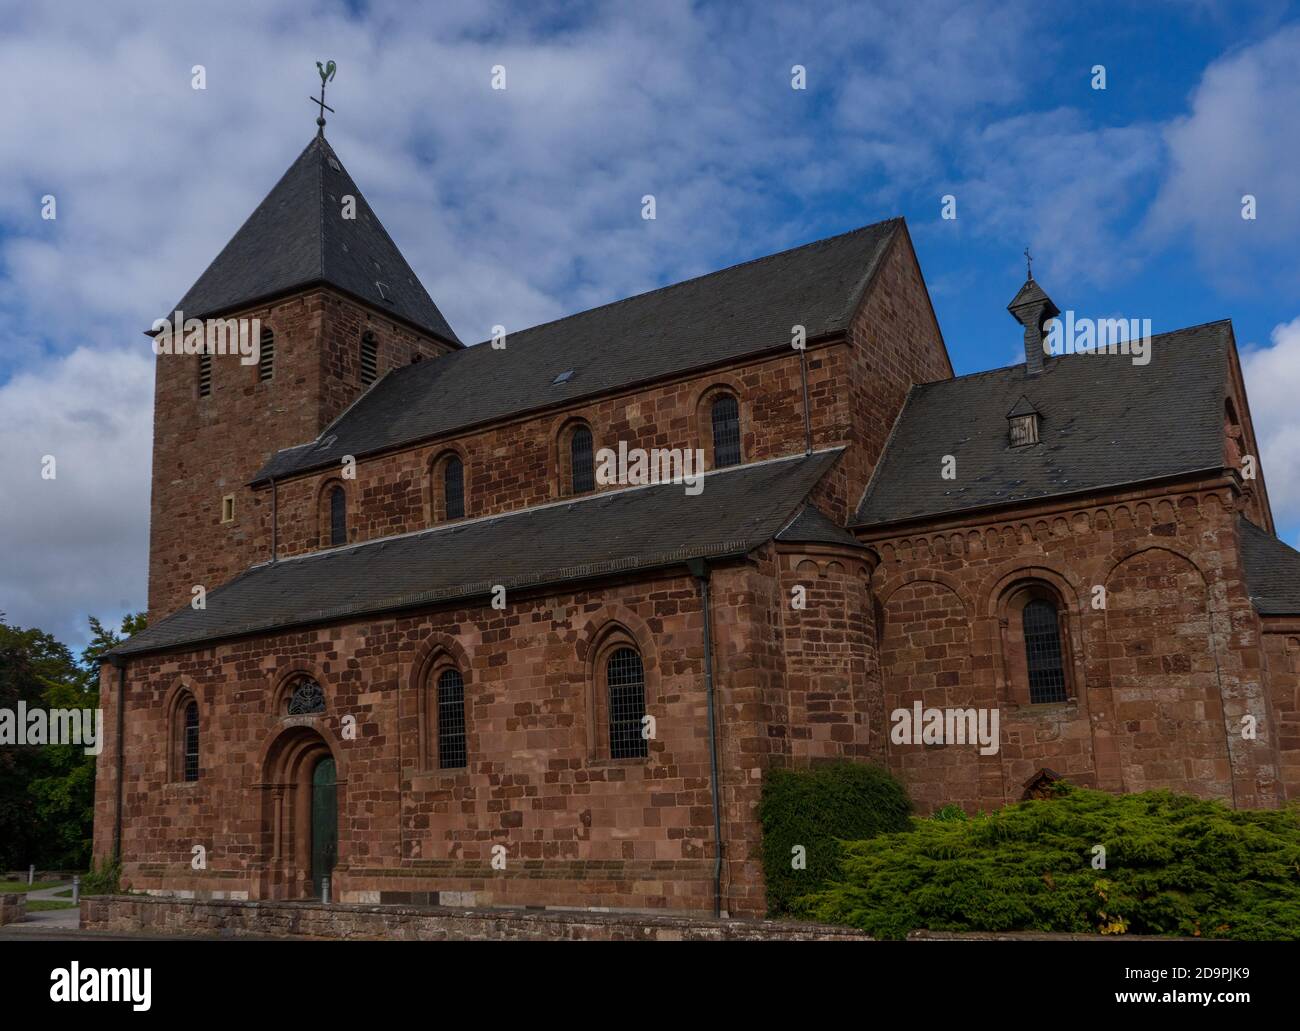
(1032, 293)
(743, 310)
(297, 237)
(1103, 422)
(613, 532)
(1272, 571)
(810, 526)
(1022, 407)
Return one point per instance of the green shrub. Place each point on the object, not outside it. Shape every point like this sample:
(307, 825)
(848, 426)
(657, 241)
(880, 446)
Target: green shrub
(1174, 865)
(817, 808)
(102, 880)
(951, 811)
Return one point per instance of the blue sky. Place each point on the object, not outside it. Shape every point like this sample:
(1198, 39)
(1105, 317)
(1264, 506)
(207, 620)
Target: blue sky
(522, 205)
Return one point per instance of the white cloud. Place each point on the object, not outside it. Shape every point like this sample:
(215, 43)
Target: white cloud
(1272, 377)
(74, 544)
(1238, 138)
(1066, 188)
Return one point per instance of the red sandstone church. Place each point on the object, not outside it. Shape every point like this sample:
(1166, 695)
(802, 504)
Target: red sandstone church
(402, 637)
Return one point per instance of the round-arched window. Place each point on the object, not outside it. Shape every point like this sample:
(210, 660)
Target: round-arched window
(1043, 654)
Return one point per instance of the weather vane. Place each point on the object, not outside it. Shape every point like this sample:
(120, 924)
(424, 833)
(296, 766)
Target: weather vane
(326, 73)
(1029, 262)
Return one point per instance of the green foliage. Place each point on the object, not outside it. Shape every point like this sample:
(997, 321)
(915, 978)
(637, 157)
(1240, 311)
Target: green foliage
(949, 812)
(47, 792)
(1175, 865)
(41, 905)
(103, 879)
(817, 808)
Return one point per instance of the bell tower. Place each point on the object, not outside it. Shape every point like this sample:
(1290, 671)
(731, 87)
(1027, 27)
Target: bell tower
(313, 278)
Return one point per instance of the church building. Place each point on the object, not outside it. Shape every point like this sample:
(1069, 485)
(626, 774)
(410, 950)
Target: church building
(408, 635)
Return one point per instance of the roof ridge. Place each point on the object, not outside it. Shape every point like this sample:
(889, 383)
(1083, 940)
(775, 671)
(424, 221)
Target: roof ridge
(320, 197)
(706, 275)
(1061, 357)
(383, 229)
(244, 224)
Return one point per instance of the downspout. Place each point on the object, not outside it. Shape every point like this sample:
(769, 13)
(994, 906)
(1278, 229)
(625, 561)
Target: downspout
(120, 664)
(700, 570)
(807, 416)
(275, 519)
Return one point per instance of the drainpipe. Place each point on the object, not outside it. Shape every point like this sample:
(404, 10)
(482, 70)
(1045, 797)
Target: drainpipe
(807, 416)
(275, 519)
(119, 664)
(700, 570)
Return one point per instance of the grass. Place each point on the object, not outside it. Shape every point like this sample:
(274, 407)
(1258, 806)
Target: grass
(44, 905)
(12, 886)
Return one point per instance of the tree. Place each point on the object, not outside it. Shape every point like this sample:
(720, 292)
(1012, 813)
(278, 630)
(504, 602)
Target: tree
(47, 793)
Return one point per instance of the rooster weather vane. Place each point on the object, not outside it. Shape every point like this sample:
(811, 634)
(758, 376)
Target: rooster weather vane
(326, 73)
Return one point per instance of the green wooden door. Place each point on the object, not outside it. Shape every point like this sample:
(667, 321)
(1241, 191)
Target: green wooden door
(324, 823)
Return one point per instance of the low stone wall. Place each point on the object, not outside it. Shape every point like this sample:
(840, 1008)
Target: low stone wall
(164, 916)
(13, 906)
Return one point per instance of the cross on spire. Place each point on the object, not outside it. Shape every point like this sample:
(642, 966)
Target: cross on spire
(1029, 264)
(326, 73)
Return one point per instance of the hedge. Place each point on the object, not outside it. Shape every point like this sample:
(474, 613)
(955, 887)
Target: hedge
(817, 808)
(1174, 865)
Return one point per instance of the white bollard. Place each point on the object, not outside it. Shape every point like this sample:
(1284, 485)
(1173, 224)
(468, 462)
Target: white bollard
(76, 890)
(31, 875)
(325, 890)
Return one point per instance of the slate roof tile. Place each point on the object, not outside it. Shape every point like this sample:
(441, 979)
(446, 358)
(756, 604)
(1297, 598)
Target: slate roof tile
(1104, 422)
(607, 533)
(743, 310)
(297, 237)
(811, 526)
(1272, 571)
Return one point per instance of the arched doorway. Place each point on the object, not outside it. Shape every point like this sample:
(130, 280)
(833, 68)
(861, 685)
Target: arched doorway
(303, 789)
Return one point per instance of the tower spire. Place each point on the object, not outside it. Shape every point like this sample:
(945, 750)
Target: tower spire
(326, 73)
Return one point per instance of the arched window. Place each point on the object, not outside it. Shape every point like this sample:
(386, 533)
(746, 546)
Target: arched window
(338, 517)
(190, 740)
(451, 720)
(1043, 655)
(266, 355)
(453, 488)
(305, 698)
(726, 431)
(625, 687)
(582, 471)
